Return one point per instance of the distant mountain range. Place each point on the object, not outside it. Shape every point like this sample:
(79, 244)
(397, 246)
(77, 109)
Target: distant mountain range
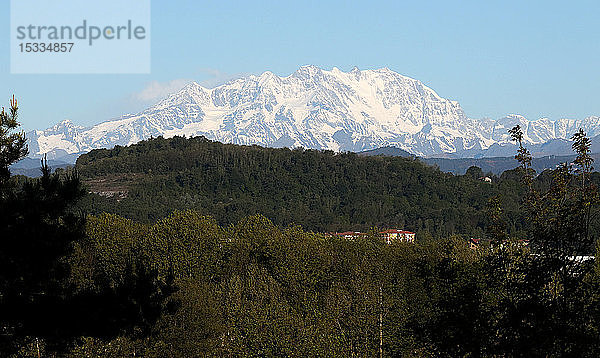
(319, 109)
(494, 165)
(32, 167)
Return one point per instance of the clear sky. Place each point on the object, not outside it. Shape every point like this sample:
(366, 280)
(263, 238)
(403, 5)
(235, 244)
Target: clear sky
(536, 58)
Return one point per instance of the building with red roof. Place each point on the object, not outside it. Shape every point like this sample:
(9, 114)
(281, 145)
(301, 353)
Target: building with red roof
(394, 235)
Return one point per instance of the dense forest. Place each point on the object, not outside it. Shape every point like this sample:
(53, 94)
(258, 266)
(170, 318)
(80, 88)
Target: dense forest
(197, 249)
(256, 290)
(320, 190)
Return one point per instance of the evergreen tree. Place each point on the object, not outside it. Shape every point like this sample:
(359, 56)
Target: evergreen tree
(12, 144)
(36, 232)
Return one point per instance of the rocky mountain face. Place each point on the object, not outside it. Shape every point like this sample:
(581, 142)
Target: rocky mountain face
(319, 109)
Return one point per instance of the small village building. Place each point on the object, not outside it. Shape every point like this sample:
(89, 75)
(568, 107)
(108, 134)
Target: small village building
(388, 236)
(349, 235)
(394, 235)
(474, 243)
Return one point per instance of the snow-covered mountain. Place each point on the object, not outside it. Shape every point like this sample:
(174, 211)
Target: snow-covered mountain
(314, 108)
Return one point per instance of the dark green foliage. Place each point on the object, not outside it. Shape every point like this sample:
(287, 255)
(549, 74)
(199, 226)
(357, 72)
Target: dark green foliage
(322, 191)
(265, 291)
(474, 172)
(497, 230)
(12, 145)
(523, 156)
(257, 290)
(36, 233)
(38, 229)
(547, 290)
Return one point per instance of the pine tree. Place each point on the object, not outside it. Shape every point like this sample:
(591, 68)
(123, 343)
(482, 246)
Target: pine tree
(581, 146)
(13, 145)
(523, 156)
(37, 229)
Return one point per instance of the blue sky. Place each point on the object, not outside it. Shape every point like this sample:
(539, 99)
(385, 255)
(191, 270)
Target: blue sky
(536, 58)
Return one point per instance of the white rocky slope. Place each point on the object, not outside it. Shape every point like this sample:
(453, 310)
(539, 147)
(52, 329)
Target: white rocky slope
(312, 108)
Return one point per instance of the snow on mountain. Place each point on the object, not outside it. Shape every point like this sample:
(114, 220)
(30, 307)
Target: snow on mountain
(312, 108)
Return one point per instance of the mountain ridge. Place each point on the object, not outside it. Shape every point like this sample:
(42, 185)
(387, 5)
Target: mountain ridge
(317, 109)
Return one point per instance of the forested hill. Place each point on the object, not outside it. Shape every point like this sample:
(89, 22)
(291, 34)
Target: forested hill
(320, 190)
